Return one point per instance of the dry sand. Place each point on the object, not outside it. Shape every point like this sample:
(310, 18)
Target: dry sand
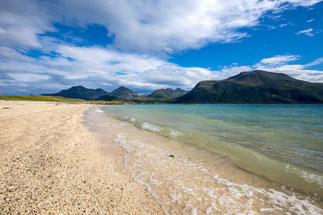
(51, 164)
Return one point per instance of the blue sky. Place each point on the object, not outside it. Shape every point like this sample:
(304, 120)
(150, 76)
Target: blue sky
(46, 46)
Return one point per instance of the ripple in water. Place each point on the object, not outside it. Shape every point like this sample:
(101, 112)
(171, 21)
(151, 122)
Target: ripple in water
(183, 187)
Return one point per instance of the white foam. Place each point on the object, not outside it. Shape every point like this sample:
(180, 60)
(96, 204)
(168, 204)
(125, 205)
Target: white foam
(98, 110)
(175, 133)
(309, 177)
(193, 186)
(150, 127)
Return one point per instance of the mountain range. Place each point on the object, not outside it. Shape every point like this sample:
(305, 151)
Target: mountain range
(80, 92)
(256, 87)
(167, 93)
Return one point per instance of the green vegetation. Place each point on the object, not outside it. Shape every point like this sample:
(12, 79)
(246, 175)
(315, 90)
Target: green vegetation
(114, 102)
(149, 100)
(39, 98)
(161, 93)
(60, 99)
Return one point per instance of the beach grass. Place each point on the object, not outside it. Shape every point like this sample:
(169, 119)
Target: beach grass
(149, 100)
(60, 99)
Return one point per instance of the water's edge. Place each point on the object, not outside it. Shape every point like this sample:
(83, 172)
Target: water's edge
(143, 170)
(294, 177)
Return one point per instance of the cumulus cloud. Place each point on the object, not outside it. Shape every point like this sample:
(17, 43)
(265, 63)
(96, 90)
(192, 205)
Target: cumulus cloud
(22, 21)
(175, 25)
(96, 67)
(146, 26)
(143, 32)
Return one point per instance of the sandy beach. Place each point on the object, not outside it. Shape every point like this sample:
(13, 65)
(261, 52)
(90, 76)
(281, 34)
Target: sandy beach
(51, 164)
(59, 158)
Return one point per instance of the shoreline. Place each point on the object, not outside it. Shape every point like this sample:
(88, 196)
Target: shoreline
(51, 163)
(172, 179)
(302, 179)
(73, 158)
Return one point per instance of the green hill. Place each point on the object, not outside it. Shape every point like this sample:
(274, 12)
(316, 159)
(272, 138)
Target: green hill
(255, 87)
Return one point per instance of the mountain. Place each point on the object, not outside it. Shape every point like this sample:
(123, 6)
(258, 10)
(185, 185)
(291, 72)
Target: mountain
(255, 87)
(167, 93)
(124, 93)
(80, 92)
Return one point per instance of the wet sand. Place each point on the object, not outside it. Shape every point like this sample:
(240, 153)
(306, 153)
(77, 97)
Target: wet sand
(51, 164)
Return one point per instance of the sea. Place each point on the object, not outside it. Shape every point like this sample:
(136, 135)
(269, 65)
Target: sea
(223, 158)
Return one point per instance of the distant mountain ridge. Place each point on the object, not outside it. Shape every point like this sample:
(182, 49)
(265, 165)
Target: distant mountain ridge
(255, 87)
(167, 93)
(124, 93)
(80, 92)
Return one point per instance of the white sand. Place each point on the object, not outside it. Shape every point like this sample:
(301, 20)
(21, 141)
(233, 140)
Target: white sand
(51, 164)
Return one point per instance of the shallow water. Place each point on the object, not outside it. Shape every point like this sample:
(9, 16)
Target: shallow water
(204, 174)
(283, 143)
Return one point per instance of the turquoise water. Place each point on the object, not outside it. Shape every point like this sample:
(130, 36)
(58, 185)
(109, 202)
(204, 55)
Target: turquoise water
(283, 143)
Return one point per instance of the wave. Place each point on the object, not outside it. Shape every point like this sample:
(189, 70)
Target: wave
(309, 177)
(150, 127)
(246, 158)
(98, 110)
(175, 133)
(181, 186)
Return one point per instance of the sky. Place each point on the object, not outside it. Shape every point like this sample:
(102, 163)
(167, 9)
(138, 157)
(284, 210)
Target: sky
(50, 45)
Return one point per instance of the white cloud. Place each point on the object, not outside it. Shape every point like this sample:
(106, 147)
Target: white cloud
(283, 25)
(108, 68)
(97, 67)
(310, 20)
(278, 60)
(175, 25)
(315, 62)
(142, 26)
(21, 22)
(28, 77)
(307, 32)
